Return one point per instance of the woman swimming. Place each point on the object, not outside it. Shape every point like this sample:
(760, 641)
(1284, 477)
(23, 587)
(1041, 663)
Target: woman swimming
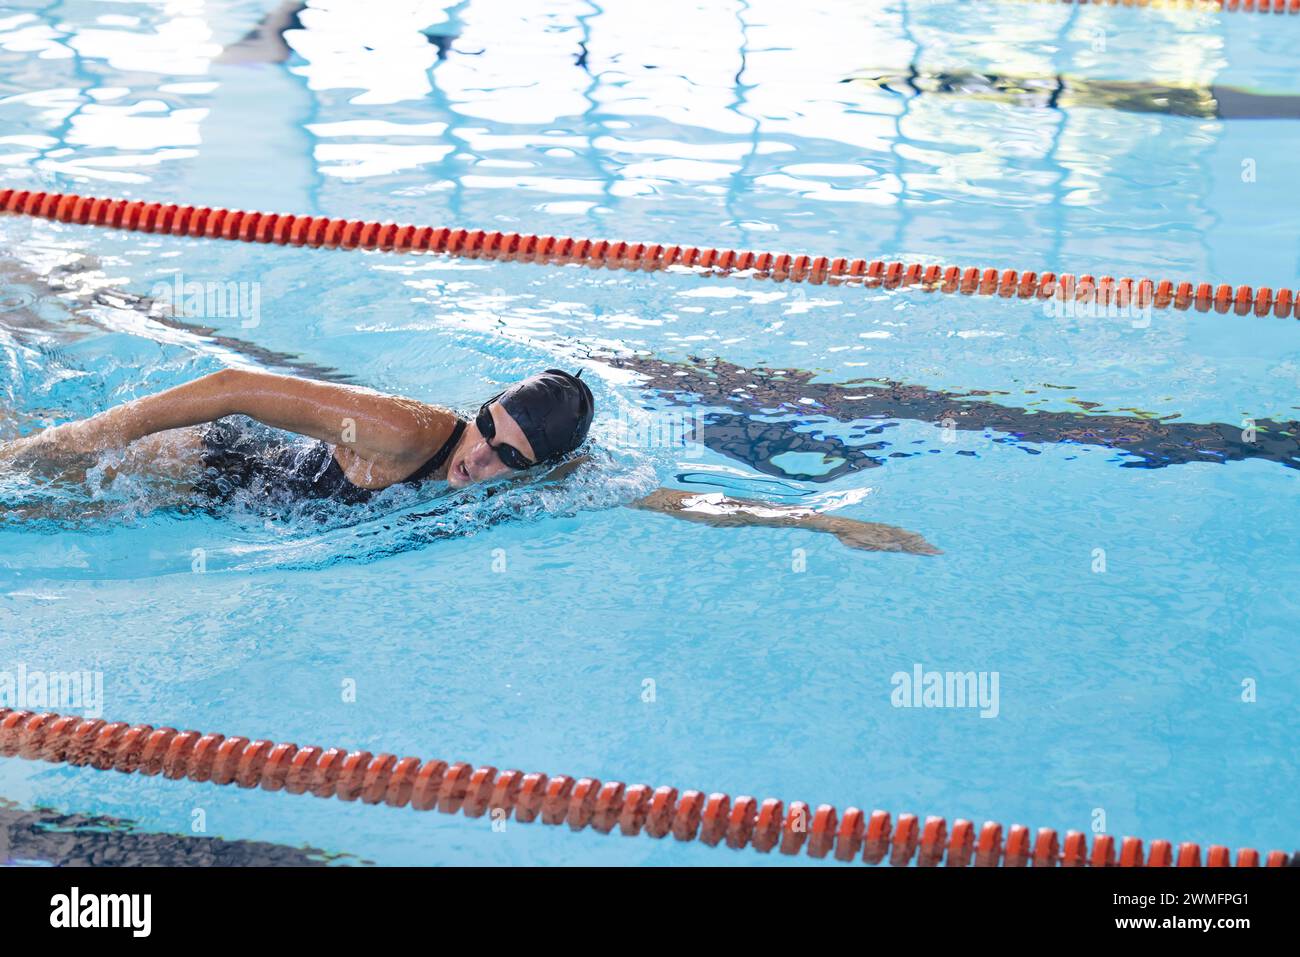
(366, 441)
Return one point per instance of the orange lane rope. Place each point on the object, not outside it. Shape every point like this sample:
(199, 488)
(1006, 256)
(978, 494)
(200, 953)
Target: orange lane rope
(712, 819)
(1198, 6)
(316, 231)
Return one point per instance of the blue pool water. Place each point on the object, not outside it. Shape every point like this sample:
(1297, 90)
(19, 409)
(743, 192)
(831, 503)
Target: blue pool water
(1156, 697)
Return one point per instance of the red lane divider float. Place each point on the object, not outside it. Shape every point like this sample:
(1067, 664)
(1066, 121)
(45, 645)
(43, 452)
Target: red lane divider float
(317, 231)
(1208, 6)
(1196, 6)
(580, 803)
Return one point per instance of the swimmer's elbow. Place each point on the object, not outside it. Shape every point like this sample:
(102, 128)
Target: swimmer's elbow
(276, 400)
(225, 388)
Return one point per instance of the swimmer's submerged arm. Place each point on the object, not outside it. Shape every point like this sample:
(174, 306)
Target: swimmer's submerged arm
(722, 511)
(374, 425)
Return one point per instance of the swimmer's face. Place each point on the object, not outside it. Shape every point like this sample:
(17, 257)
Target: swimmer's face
(475, 459)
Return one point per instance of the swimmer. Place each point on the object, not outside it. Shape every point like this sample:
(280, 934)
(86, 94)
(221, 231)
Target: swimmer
(200, 433)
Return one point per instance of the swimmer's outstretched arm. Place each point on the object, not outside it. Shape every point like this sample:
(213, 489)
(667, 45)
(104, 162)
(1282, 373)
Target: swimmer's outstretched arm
(719, 510)
(376, 427)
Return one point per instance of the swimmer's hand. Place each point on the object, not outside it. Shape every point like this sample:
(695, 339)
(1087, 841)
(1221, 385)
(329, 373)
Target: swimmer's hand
(719, 510)
(50, 445)
(874, 537)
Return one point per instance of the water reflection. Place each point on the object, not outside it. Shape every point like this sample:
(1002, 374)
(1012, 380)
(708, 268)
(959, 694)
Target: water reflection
(43, 836)
(1065, 92)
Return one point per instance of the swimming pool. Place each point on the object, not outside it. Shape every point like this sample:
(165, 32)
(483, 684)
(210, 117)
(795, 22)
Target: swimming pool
(1137, 619)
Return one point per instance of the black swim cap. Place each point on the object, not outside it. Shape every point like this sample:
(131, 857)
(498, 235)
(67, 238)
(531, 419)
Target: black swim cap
(553, 408)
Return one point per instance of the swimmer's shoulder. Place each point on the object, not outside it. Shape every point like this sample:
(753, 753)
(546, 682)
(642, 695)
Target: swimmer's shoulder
(435, 425)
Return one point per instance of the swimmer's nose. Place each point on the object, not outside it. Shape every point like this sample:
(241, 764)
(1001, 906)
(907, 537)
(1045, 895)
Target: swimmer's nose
(480, 457)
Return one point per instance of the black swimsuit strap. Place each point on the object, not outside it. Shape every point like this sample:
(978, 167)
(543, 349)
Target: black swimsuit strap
(440, 456)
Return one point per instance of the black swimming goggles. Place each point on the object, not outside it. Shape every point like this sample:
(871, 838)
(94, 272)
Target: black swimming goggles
(510, 456)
